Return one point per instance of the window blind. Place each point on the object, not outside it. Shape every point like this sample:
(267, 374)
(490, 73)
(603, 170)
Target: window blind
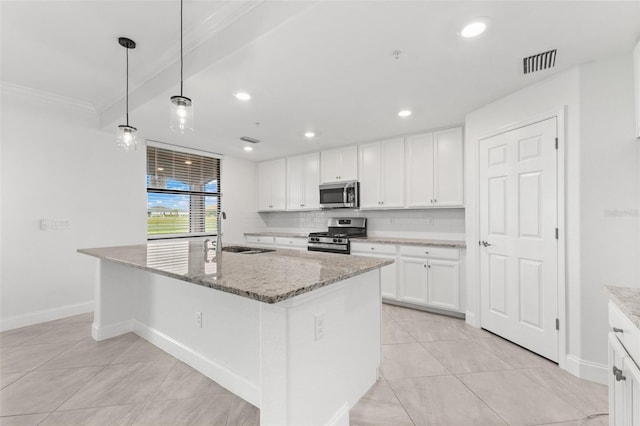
(183, 193)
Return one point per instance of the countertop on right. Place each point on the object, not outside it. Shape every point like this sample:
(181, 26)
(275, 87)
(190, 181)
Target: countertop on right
(628, 300)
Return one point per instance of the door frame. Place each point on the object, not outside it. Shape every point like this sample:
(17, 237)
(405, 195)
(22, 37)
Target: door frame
(559, 114)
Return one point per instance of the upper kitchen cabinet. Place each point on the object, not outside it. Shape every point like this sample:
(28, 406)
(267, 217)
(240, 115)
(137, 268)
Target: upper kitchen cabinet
(339, 165)
(381, 174)
(303, 180)
(272, 185)
(435, 169)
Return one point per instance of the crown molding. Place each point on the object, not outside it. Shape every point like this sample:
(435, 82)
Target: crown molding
(16, 89)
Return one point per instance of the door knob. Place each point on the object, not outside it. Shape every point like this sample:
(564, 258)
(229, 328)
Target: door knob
(485, 244)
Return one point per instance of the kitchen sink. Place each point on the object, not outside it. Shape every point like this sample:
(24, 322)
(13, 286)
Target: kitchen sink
(245, 250)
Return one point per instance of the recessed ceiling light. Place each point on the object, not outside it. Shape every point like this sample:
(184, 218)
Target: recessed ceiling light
(404, 113)
(160, 169)
(248, 148)
(473, 29)
(188, 162)
(309, 134)
(243, 96)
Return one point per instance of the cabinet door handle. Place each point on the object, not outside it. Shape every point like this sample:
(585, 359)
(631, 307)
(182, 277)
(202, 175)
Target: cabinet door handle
(617, 330)
(618, 373)
(426, 252)
(372, 248)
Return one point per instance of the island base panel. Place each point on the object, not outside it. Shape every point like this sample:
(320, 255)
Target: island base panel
(306, 360)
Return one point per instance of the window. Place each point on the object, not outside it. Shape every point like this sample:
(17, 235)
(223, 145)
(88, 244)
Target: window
(183, 193)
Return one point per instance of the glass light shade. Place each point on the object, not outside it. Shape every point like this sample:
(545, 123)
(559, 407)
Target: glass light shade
(127, 140)
(181, 114)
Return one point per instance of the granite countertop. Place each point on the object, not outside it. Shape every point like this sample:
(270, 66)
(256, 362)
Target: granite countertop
(268, 277)
(628, 300)
(412, 242)
(279, 234)
(381, 240)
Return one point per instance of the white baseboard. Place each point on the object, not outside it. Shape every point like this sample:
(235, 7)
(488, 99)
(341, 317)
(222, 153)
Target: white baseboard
(46, 315)
(341, 417)
(113, 330)
(471, 319)
(586, 369)
(219, 373)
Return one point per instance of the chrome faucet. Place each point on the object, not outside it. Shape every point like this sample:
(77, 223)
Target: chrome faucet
(221, 216)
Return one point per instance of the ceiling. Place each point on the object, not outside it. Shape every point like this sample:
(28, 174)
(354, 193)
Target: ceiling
(324, 66)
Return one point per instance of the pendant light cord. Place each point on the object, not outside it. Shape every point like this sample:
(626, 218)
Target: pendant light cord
(127, 53)
(181, 54)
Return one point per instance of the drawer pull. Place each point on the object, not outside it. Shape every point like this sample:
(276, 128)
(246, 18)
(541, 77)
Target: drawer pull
(426, 252)
(617, 330)
(618, 373)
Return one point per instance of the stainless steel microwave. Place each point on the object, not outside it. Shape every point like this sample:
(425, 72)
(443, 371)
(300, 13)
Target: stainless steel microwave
(339, 195)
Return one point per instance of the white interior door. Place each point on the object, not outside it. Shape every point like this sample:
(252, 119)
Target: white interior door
(518, 221)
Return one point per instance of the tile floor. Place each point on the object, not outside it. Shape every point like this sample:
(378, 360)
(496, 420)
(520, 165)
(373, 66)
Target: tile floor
(436, 370)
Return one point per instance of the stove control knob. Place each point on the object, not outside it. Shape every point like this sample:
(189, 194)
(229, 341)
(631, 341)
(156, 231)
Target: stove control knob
(335, 240)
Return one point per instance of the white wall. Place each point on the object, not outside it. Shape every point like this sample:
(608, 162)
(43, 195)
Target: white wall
(56, 164)
(239, 199)
(610, 194)
(601, 174)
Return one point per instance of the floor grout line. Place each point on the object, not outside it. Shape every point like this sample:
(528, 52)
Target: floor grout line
(81, 387)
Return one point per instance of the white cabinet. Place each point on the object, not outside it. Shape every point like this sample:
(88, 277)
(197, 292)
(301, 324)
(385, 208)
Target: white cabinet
(624, 374)
(435, 169)
(272, 185)
(260, 240)
(296, 243)
(388, 274)
(430, 276)
(339, 165)
(303, 180)
(381, 174)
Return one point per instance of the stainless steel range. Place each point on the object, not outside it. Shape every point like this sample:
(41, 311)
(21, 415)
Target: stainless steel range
(336, 239)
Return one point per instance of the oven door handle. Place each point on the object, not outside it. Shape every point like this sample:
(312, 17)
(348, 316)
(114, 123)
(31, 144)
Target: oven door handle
(345, 195)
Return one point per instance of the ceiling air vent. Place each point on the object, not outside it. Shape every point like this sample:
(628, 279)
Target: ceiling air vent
(250, 140)
(539, 62)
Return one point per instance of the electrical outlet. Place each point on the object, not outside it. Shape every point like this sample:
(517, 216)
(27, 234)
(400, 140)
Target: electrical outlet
(199, 319)
(319, 326)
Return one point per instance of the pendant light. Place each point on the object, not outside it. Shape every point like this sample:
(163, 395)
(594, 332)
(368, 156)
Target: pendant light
(181, 106)
(127, 134)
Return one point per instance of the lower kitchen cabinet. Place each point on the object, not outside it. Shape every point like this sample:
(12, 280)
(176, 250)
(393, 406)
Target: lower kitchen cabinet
(430, 282)
(423, 276)
(388, 274)
(296, 243)
(624, 374)
(260, 240)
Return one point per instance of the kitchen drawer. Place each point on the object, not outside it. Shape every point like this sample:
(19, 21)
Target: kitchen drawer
(260, 240)
(625, 331)
(368, 248)
(427, 251)
(298, 243)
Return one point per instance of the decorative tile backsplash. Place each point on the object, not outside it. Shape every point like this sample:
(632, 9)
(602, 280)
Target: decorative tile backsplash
(433, 223)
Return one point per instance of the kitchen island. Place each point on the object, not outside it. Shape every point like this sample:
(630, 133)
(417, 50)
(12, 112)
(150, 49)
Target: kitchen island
(297, 334)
